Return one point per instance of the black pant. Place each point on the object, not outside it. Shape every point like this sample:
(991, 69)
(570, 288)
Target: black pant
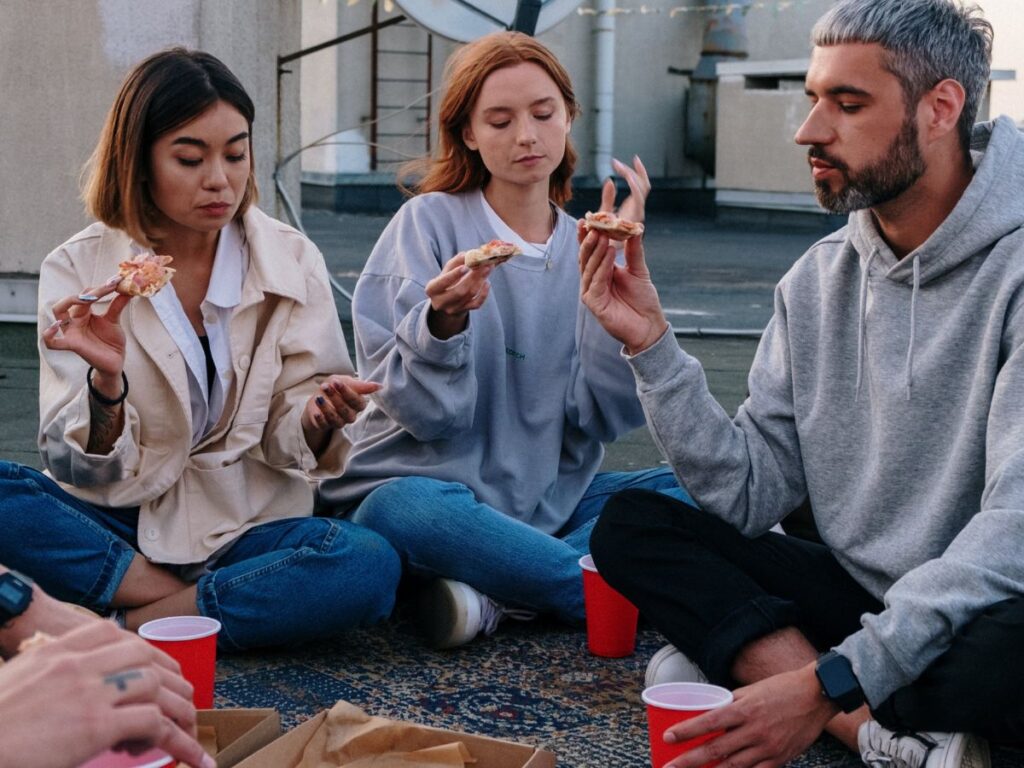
(711, 592)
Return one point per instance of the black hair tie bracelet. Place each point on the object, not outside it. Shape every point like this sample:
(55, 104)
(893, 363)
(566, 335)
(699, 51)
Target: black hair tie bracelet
(103, 399)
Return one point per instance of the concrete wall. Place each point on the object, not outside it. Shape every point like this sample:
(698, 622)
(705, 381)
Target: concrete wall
(61, 62)
(1007, 97)
(649, 100)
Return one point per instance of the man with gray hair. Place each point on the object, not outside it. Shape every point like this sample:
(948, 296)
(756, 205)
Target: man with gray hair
(888, 394)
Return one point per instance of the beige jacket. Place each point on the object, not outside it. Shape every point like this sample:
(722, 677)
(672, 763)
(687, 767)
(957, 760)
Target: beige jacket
(255, 465)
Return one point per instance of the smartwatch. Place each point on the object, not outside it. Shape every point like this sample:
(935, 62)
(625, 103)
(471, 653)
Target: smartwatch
(15, 595)
(838, 682)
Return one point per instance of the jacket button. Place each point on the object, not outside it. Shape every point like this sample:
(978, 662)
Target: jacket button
(152, 534)
(243, 362)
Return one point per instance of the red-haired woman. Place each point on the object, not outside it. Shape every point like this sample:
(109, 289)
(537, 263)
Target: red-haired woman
(479, 458)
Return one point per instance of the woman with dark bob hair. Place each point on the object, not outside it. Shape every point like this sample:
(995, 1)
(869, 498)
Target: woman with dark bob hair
(479, 458)
(183, 429)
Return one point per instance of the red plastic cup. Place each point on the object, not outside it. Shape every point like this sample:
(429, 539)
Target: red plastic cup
(192, 642)
(671, 703)
(611, 618)
(151, 758)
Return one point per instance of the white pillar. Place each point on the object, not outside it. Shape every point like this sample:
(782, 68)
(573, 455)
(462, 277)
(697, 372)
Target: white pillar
(604, 91)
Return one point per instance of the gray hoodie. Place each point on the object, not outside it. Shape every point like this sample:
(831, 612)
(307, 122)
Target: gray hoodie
(890, 392)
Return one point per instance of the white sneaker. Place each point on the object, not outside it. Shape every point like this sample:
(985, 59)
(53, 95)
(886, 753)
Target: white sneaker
(882, 748)
(451, 613)
(670, 665)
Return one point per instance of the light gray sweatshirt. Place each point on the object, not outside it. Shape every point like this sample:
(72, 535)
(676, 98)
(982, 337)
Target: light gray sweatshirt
(517, 406)
(891, 393)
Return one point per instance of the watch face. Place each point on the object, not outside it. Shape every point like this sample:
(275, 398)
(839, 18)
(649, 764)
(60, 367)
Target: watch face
(839, 682)
(11, 593)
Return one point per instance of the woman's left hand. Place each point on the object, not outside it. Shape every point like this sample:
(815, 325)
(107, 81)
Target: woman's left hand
(339, 402)
(632, 207)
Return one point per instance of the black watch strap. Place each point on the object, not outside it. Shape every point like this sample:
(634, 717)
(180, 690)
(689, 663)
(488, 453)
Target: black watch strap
(15, 595)
(838, 683)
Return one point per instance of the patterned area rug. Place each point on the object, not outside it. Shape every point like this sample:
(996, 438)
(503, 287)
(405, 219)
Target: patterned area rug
(533, 682)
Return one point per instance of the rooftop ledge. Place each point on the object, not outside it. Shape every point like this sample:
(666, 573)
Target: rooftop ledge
(798, 68)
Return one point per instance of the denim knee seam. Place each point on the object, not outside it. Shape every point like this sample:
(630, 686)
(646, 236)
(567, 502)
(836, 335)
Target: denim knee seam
(206, 601)
(755, 619)
(116, 562)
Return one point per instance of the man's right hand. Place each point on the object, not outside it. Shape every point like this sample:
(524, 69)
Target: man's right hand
(622, 298)
(94, 688)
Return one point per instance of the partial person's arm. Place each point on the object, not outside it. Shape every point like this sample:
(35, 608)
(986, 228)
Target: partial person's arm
(91, 689)
(428, 384)
(43, 614)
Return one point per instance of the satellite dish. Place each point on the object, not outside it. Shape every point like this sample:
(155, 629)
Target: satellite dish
(465, 20)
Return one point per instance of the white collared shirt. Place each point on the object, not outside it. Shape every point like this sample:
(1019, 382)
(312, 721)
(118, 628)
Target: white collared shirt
(230, 263)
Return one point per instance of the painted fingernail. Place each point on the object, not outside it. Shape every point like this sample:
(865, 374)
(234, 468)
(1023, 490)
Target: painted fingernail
(54, 325)
(320, 400)
(87, 297)
(209, 762)
(113, 280)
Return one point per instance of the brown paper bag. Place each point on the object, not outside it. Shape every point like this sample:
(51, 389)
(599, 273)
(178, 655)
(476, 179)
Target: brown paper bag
(349, 737)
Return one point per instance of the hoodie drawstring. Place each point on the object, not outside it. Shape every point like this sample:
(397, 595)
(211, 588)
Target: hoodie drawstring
(863, 320)
(909, 375)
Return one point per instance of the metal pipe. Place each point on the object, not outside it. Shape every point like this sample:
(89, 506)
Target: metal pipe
(604, 87)
(525, 19)
(337, 40)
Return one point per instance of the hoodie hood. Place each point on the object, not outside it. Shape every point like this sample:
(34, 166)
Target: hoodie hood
(991, 207)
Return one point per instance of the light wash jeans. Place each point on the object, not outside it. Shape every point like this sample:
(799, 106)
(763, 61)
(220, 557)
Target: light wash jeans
(281, 583)
(440, 529)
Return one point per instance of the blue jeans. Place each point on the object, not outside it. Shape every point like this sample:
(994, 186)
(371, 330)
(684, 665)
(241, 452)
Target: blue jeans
(440, 529)
(284, 582)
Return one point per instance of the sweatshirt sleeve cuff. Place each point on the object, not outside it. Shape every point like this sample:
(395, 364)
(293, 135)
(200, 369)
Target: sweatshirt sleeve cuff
(445, 353)
(877, 671)
(659, 364)
(78, 467)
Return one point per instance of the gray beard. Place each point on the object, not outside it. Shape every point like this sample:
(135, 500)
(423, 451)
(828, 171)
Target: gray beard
(886, 180)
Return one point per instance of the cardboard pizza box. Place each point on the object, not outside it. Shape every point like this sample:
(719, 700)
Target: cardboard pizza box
(286, 752)
(240, 732)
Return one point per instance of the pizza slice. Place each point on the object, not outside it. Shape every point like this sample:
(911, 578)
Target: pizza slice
(495, 252)
(144, 275)
(613, 226)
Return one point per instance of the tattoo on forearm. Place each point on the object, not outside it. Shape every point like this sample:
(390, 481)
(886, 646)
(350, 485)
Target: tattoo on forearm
(106, 426)
(120, 679)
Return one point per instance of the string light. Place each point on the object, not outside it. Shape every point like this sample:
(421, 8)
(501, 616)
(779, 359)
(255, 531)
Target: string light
(645, 10)
(727, 8)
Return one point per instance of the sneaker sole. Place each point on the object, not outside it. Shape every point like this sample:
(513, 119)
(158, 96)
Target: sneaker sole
(973, 752)
(442, 614)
